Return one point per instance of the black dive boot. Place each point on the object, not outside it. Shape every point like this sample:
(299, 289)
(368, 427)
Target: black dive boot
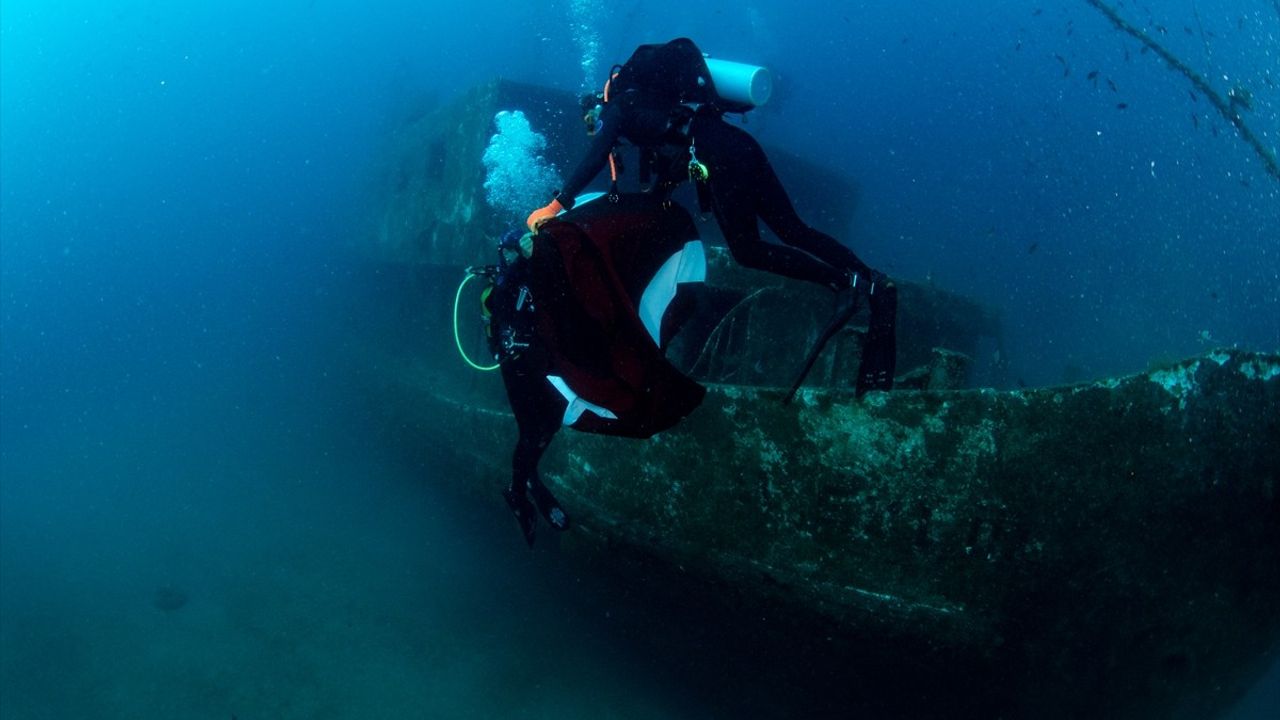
(555, 515)
(525, 514)
(880, 353)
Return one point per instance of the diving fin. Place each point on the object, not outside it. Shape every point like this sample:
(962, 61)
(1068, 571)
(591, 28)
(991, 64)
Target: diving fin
(880, 351)
(875, 372)
(846, 306)
(524, 512)
(548, 505)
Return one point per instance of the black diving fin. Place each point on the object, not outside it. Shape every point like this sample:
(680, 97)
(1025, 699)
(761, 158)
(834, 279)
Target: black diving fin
(875, 372)
(880, 351)
(548, 505)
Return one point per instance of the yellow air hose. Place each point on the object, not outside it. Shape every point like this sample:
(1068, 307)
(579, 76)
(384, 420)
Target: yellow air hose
(456, 339)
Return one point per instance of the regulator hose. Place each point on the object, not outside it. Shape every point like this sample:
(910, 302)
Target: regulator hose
(458, 340)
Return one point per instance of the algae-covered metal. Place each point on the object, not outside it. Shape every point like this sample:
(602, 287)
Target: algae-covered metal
(1131, 524)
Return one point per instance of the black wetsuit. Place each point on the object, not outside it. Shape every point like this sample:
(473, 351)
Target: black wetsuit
(538, 407)
(743, 187)
(566, 323)
(664, 101)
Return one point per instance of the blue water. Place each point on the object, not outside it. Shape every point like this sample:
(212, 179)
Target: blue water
(181, 189)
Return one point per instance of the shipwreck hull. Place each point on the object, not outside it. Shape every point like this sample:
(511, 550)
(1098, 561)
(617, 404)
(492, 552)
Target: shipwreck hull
(1107, 549)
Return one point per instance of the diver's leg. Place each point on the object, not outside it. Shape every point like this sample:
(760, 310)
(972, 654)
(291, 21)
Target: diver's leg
(533, 402)
(769, 200)
(731, 161)
(539, 411)
(524, 468)
(879, 355)
(775, 209)
(777, 212)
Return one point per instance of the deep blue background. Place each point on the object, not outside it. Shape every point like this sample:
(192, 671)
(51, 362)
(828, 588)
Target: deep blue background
(179, 181)
(154, 152)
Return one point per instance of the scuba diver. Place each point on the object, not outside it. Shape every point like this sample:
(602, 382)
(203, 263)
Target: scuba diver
(578, 327)
(665, 100)
(511, 333)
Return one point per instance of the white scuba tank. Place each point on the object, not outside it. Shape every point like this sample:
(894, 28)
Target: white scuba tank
(740, 82)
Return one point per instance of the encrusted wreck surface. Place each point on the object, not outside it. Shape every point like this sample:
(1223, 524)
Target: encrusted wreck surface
(1110, 548)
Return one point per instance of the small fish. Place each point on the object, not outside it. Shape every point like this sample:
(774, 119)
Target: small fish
(1126, 55)
(1093, 75)
(1037, 12)
(1194, 96)
(1032, 248)
(1214, 294)
(1112, 84)
(1187, 29)
(1244, 182)
(1195, 121)
(1122, 106)
(1162, 30)
(1018, 46)
(1022, 384)
(1240, 23)
(1214, 128)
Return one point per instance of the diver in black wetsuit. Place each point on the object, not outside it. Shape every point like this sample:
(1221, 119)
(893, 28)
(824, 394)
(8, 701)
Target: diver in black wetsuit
(577, 329)
(663, 101)
(537, 405)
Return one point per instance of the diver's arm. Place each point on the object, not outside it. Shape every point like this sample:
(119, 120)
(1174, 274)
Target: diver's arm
(597, 155)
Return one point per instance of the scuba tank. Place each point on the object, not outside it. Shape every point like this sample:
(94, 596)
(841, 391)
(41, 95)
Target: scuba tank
(746, 85)
(679, 72)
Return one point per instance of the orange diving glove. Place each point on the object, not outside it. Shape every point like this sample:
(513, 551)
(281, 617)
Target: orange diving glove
(543, 214)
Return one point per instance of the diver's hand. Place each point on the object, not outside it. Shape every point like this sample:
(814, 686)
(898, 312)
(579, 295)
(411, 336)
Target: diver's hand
(526, 245)
(543, 214)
